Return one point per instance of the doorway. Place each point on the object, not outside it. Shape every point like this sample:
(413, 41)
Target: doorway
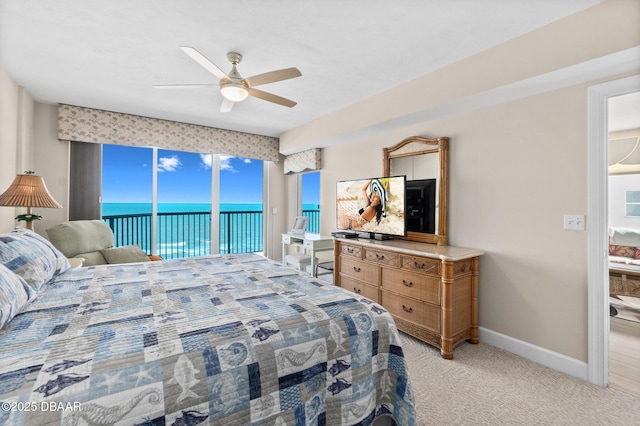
(597, 225)
(624, 236)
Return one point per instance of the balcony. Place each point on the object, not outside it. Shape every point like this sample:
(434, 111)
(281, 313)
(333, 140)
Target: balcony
(188, 234)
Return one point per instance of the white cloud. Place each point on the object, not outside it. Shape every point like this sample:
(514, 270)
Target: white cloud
(168, 164)
(247, 160)
(206, 160)
(225, 163)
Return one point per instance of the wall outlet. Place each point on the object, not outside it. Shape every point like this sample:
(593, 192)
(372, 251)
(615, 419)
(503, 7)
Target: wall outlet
(574, 222)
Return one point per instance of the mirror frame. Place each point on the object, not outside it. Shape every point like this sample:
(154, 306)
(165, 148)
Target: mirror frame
(417, 145)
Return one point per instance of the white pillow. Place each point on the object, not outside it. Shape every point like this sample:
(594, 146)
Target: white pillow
(15, 294)
(31, 256)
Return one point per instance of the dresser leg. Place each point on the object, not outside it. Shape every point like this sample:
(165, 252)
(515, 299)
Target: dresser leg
(446, 354)
(446, 334)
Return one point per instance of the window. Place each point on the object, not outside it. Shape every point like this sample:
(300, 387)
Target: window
(161, 200)
(183, 203)
(240, 205)
(310, 183)
(632, 205)
(127, 194)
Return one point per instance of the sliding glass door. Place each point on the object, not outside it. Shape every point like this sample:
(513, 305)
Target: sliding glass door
(127, 194)
(183, 204)
(241, 217)
(162, 201)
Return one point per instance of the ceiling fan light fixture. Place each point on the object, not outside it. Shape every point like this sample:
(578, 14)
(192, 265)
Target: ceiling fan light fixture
(235, 92)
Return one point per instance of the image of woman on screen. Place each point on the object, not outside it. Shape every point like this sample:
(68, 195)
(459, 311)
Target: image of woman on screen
(371, 210)
(373, 200)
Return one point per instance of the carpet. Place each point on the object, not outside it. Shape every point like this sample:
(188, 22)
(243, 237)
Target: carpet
(625, 307)
(484, 385)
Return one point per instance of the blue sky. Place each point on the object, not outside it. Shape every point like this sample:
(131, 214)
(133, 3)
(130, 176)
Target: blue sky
(184, 177)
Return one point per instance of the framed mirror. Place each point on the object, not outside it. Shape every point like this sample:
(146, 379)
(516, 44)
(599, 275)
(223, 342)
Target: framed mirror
(424, 161)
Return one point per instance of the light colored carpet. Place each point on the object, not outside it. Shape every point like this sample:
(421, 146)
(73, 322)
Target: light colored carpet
(484, 385)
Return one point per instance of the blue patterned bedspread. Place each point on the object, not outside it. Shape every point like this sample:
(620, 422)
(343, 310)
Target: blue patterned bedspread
(222, 339)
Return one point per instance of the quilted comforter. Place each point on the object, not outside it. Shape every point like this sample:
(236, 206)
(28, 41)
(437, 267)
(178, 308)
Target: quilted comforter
(222, 339)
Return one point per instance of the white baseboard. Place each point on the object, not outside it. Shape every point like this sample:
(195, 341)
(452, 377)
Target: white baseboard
(554, 360)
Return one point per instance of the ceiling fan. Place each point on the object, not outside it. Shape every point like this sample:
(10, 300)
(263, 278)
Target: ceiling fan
(233, 87)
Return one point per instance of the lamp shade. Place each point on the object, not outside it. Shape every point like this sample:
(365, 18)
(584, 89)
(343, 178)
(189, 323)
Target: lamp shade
(28, 190)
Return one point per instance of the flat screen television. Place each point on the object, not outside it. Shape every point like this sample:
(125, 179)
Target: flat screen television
(376, 206)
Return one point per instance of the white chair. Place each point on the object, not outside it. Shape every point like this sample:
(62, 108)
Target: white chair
(299, 261)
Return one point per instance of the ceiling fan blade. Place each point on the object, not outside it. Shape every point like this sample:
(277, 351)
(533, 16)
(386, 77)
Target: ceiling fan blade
(273, 76)
(183, 86)
(226, 105)
(271, 98)
(205, 62)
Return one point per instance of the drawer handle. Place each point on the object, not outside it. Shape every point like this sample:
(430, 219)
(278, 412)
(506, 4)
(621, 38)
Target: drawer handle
(407, 309)
(356, 289)
(357, 269)
(350, 250)
(407, 283)
(380, 256)
(422, 266)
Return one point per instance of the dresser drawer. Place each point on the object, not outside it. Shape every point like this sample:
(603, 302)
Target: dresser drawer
(359, 287)
(349, 250)
(421, 264)
(418, 286)
(359, 270)
(286, 239)
(408, 309)
(381, 257)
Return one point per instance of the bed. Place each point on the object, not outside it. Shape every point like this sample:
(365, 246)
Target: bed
(221, 339)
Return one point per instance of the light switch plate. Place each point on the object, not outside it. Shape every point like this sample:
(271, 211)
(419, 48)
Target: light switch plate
(574, 222)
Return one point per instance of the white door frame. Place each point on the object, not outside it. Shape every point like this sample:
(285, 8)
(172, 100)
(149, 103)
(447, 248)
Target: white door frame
(597, 224)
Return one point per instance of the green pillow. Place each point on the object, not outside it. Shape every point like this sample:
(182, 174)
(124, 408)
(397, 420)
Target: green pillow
(125, 254)
(92, 258)
(80, 236)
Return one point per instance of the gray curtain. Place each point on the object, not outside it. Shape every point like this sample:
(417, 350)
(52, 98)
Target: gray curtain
(85, 181)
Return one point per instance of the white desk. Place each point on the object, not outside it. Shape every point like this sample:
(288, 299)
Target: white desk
(311, 243)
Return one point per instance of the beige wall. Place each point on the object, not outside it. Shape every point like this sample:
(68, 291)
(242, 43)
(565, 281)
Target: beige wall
(28, 142)
(515, 169)
(517, 164)
(52, 163)
(16, 140)
(8, 142)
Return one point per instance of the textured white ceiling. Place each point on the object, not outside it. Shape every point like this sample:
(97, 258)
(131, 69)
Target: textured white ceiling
(107, 54)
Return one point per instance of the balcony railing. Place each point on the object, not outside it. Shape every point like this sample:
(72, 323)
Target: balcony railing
(189, 234)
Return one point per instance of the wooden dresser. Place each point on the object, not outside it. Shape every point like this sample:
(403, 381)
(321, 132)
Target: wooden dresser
(431, 291)
(624, 280)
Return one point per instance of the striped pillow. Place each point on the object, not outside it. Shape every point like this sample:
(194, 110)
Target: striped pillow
(15, 294)
(31, 256)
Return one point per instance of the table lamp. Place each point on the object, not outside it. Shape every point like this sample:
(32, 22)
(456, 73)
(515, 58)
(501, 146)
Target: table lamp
(28, 190)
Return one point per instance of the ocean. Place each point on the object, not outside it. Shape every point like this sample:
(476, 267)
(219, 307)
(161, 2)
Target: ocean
(113, 209)
(189, 234)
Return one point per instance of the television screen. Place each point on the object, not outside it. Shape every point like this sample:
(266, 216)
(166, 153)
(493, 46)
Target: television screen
(374, 205)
